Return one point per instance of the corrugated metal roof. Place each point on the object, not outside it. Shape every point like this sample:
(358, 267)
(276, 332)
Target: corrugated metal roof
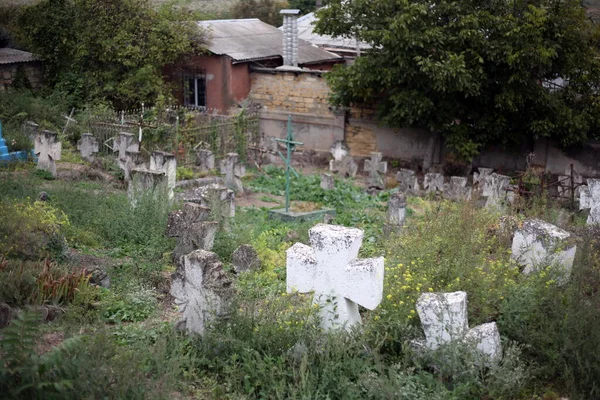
(252, 39)
(11, 56)
(305, 32)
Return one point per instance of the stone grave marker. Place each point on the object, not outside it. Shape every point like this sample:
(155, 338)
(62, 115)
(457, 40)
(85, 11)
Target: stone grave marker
(495, 189)
(233, 172)
(48, 150)
(342, 164)
(538, 243)
(327, 182)
(205, 160)
(457, 189)
(87, 146)
(396, 213)
(479, 177)
(215, 196)
(202, 290)
(331, 269)
(376, 170)
(407, 181)
(444, 320)
(584, 198)
(144, 181)
(433, 182)
(245, 258)
(594, 201)
(192, 229)
(165, 162)
(133, 160)
(122, 144)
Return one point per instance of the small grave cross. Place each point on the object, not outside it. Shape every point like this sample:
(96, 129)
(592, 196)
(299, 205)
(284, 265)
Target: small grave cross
(48, 150)
(341, 281)
(375, 167)
(88, 146)
(191, 228)
(290, 144)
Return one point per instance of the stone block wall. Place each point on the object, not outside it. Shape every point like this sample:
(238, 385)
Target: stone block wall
(33, 71)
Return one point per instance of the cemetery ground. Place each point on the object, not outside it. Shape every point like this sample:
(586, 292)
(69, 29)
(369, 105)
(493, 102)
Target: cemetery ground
(98, 271)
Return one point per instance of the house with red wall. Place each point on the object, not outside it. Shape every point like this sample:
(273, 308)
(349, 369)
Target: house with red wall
(220, 79)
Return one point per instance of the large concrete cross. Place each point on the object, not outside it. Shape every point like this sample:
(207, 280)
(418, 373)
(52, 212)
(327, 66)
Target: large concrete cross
(341, 281)
(48, 150)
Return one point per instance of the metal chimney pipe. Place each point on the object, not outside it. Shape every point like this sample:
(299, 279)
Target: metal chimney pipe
(290, 37)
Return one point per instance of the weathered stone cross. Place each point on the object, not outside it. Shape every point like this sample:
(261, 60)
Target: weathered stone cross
(191, 228)
(88, 146)
(341, 282)
(590, 198)
(233, 172)
(375, 167)
(48, 149)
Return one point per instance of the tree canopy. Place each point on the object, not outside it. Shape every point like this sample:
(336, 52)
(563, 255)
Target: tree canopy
(112, 50)
(476, 71)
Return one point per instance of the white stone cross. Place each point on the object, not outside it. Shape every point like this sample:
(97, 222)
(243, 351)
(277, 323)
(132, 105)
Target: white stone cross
(123, 143)
(375, 168)
(494, 189)
(48, 150)
(341, 281)
(202, 290)
(479, 177)
(88, 146)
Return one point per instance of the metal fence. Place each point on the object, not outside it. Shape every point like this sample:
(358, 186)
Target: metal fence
(179, 130)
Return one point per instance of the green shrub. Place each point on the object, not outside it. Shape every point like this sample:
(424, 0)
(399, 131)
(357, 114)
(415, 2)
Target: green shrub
(133, 305)
(31, 230)
(184, 173)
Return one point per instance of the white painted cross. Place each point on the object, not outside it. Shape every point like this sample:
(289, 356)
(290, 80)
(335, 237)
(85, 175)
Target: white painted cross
(341, 281)
(375, 168)
(48, 150)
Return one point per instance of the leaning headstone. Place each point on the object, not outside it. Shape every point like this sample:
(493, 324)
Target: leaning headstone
(443, 316)
(215, 196)
(376, 170)
(457, 189)
(192, 229)
(233, 173)
(165, 162)
(146, 182)
(48, 150)
(205, 160)
(433, 182)
(540, 244)
(327, 182)
(330, 267)
(444, 320)
(407, 181)
(245, 258)
(594, 201)
(87, 146)
(202, 290)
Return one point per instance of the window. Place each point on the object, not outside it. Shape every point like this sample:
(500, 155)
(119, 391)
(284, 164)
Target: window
(194, 90)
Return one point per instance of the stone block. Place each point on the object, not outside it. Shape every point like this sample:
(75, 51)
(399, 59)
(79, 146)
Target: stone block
(327, 182)
(486, 341)
(540, 244)
(396, 213)
(167, 163)
(443, 317)
(146, 182)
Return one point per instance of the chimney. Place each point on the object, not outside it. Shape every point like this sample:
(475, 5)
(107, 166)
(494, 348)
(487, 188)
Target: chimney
(290, 37)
